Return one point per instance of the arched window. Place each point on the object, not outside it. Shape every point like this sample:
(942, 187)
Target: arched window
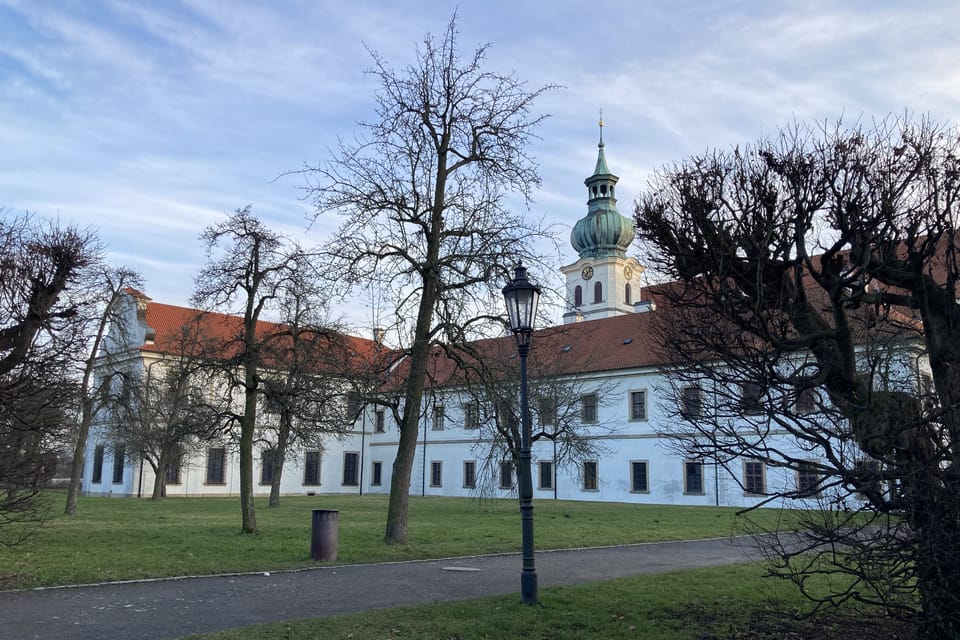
(626, 294)
(597, 293)
(578, 296)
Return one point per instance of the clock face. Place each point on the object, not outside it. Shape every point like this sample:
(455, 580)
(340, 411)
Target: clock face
(587, 272)
(628, 272)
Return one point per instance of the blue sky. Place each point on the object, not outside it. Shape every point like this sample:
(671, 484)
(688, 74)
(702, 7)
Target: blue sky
(151, 120)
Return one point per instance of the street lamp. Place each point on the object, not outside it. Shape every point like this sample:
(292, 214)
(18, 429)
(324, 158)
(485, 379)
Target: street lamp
(521, 297)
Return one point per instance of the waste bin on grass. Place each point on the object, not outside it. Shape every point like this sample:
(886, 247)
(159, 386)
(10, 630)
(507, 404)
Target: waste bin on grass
(323, 537)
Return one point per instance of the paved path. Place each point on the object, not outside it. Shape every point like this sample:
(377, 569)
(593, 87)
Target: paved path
(176, 607)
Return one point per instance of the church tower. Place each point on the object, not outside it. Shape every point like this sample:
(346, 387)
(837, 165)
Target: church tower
(603, 282)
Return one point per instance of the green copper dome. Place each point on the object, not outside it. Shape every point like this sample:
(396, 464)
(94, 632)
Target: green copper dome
(603, 232)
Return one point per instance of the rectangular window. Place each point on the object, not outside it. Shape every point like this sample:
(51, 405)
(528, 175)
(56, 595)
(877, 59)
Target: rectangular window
(379, 421)
(438, 417)
(97, 465)
(118, 455)
(638, 477)
(808, 479)
(753, 477)
(436, 474)
(588, 408)
(548, 411)
(471, 415)
(590, 475)
(350, 464)
(311, 468)
(377, 474)
(545, 477)
(353, 405)
(267, 466)
(173, 472)
(693, 477)
(469, 474)
(806, 401)
(215, 465)
(691, 402)
(751, 398)
(638, 405)
(506, 475)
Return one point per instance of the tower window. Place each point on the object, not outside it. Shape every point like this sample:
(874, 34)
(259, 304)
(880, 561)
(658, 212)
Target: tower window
(627, 298)
(597, 292)
(578, 296)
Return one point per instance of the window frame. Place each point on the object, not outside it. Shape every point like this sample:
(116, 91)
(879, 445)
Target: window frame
(307, 481)
(590, 475)
(471, 415)
(437, 416)
(687, 464)
(119, 463)
(590, 402)
(550, 476)
(436, 473)
(353, 468)
(376, 473)
(632, 405)
(469, 477)
(268, 466)
(691, 401)
(96, 475)
(508, 467)
(751, 399)
(379, 421)
(222, 466)
(754, 471)
(646, 476)
(809, 469)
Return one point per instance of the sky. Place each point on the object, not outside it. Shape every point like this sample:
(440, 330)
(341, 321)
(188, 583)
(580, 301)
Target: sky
(151, 120)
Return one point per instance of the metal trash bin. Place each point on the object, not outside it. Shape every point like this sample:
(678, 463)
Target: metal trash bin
(323, 537)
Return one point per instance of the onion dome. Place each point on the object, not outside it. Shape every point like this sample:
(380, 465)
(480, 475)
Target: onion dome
(603, 232)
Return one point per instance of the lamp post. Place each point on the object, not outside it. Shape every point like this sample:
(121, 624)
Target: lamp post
(521, 297)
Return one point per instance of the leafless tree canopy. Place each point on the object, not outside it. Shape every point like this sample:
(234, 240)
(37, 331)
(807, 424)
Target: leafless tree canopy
(422, 191)
(42, 312)
(816, 283)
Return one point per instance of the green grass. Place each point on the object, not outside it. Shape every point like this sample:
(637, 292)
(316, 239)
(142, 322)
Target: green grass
(724, 602)
(117, 539)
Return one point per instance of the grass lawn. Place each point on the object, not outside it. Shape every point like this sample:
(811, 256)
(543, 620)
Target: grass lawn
(116, 539)
(705, 604)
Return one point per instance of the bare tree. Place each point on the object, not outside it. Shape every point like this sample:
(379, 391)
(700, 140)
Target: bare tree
(41, 328)
(565, 404)
(310, 362)
(422, 192)
(105, 286)
(163, 412)
(247, 266)
(816, 284)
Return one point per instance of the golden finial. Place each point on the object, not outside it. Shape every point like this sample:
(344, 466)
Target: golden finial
(601, 126)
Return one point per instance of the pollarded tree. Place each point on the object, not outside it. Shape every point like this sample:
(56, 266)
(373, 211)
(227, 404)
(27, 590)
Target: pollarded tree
(816, 285)
(42, 318)
(422, 192)
(247, 267)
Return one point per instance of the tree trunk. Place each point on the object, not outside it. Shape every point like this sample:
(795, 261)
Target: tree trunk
(279, 458)
(398, 507)
(247, 426)
(79, 453)
(938, 561)
(160, 480)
